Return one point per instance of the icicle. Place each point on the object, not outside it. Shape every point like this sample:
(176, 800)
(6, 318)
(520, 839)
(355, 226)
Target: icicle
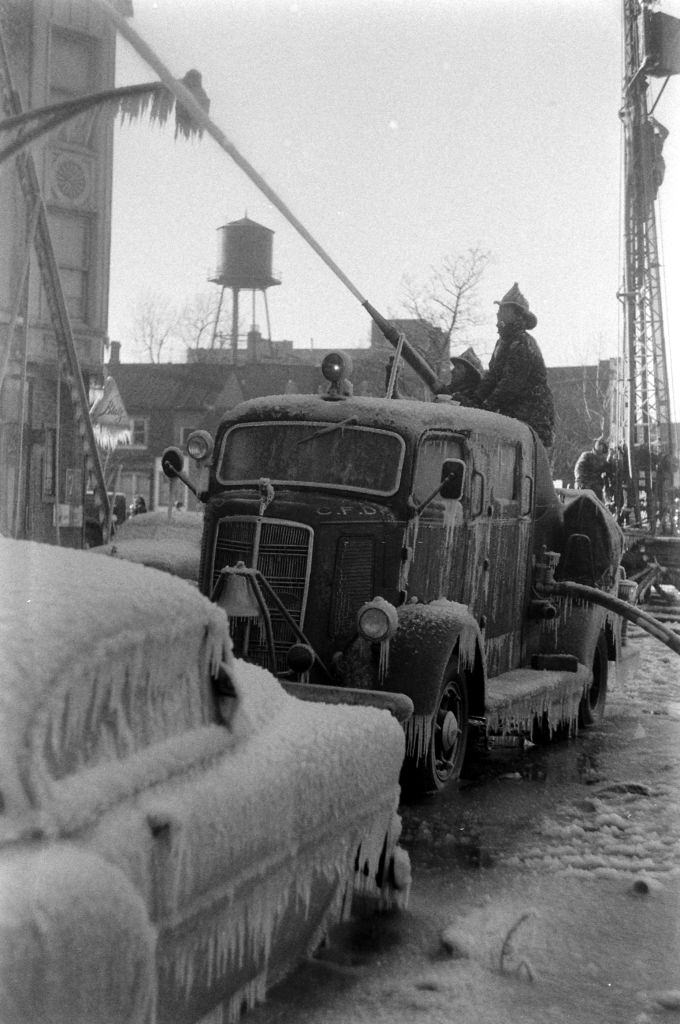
(453, 516)
(467, 642)
(243, 920)
(409, 544)
(558, 705)
(418, 730)
(132, 108)
(384, 661)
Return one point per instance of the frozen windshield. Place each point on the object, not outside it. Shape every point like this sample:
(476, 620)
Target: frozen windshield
(337, 455)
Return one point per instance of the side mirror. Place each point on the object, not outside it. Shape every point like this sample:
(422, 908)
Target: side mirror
(172, 462)
(450, 486)
(452, 479)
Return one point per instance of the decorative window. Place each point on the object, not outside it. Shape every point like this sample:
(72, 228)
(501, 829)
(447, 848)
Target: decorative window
(73, 60)
(139, 432)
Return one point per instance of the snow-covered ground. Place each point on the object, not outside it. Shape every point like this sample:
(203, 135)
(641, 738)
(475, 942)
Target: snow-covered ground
(547, 889)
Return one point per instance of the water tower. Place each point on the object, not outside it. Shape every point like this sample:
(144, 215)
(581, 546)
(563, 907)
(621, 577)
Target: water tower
(245, 264)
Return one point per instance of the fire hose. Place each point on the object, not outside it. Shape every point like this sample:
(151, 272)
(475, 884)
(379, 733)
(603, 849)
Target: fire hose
(628, 611)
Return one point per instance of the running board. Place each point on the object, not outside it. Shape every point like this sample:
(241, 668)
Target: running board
(514, 699)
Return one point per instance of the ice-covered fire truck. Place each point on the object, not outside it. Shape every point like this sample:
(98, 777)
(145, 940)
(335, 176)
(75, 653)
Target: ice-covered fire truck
(379, 545)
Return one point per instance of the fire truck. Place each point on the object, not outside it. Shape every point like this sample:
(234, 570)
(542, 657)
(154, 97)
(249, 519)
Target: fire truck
(367, 546)
(375, 546)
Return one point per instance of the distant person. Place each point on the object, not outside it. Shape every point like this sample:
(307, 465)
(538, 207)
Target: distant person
(138, 506)
(592, 468)
(516, 383)
(467, 374)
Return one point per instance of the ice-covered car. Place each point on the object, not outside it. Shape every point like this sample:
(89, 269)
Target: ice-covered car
(177, 831)
(153, 539)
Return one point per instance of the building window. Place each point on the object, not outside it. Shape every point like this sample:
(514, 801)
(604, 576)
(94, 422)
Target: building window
(72, 74)
(70, 233)
(139, 432)
(184, 433)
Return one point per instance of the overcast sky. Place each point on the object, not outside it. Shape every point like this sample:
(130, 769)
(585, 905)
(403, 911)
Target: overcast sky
(399, 132)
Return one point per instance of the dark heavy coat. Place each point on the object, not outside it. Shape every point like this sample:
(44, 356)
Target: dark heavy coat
(466, 391)
(517, 385)
(591, 471)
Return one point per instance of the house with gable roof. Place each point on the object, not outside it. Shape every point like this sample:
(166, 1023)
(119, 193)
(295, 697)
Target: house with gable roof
(167, 401)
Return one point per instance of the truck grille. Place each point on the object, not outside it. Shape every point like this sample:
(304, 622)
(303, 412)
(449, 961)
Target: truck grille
(352, 584)
(282, 551)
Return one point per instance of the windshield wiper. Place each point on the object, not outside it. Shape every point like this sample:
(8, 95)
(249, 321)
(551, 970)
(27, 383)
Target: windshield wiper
(328, 429)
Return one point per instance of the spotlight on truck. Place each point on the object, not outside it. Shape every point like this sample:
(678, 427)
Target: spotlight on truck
(336, 368)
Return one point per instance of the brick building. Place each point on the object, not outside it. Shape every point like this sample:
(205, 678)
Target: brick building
(57, 50)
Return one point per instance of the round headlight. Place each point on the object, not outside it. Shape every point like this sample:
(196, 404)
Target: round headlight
(377, 620)
(200, 445)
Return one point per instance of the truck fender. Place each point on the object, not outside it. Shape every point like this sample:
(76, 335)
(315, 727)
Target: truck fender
(426, 637)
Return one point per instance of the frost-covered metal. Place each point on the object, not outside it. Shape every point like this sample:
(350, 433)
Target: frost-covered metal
(168, 848)
(360, 482)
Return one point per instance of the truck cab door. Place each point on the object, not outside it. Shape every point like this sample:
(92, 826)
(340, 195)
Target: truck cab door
(436, 537)
(499, 549)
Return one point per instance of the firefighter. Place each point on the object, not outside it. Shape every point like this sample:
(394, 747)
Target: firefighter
(467, 374)
(592, 468)
(516, 383)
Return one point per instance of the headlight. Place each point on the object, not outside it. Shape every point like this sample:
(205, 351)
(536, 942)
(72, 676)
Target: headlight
(200, 445)
(377, 620)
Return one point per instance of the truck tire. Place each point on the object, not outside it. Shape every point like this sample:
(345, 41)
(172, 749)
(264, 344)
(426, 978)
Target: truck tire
(450, 730)
(591, 708)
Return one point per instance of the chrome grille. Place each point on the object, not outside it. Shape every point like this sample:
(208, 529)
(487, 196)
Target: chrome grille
(282, 552)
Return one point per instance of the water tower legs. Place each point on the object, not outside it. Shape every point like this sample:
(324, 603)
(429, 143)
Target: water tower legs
(234, 325)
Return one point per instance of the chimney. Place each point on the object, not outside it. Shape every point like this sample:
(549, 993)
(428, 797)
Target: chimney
(114, 353)
(254, 342)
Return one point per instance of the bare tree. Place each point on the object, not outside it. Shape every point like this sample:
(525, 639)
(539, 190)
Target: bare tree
(584, 395)
(155, 326)
(202, 319)
(447, 300)
(160, 328)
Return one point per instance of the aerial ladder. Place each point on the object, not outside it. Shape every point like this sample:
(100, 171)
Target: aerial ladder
(646, 461)
(644, 417)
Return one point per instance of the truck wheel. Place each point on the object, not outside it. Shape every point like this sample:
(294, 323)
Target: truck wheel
(450, 730)
(591, 708)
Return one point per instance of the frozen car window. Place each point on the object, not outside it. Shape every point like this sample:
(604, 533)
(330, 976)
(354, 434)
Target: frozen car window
(334, 455)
